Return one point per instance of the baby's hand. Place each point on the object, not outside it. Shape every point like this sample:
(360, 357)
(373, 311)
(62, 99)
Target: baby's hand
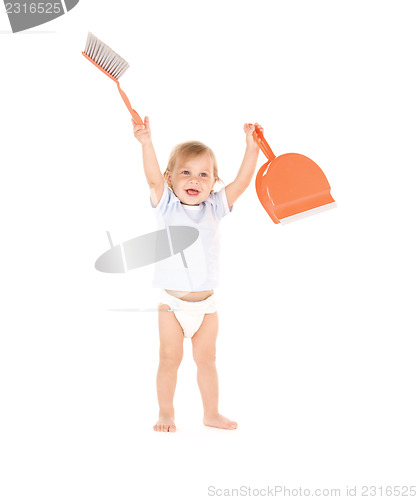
(249, 131)
(143, 132)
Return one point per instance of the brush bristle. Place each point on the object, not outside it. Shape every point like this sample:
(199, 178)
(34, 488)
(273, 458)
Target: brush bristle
(105, 57)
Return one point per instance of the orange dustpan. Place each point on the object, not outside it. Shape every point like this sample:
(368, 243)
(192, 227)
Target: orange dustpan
(291, 186)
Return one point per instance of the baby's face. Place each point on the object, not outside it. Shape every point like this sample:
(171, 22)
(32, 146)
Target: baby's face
(192, 179)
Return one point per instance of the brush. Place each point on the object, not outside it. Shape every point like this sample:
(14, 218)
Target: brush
(112, 65)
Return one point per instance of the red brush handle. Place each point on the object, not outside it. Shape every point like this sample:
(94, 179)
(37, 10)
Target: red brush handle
(135, 116)
(263, 144)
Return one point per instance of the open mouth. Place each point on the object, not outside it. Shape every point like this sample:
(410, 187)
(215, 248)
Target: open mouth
(192, 192)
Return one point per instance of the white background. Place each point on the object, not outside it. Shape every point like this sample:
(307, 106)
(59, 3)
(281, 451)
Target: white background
(317, 347)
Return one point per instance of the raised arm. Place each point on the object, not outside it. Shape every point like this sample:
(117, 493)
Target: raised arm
(152, 170)
(243, 179)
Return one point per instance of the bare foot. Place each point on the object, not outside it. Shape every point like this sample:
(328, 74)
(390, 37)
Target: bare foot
(219, 421)
(165, 424)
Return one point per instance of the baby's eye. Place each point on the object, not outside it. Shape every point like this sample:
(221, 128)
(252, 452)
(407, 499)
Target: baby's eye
(185, 172)
(203, 173)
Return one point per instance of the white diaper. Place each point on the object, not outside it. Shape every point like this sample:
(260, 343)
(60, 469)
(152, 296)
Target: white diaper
(189, 314)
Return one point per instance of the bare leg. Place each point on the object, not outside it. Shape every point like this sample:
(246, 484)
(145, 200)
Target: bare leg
(171, 354)
(204, 354)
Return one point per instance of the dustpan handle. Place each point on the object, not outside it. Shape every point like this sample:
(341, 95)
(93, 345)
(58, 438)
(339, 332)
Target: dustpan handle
(263, 144)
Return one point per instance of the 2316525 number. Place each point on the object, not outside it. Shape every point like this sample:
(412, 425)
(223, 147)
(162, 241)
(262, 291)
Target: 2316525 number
(33, 8)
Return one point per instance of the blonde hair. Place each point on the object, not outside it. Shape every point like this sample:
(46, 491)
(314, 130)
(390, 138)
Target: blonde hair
(190, 149)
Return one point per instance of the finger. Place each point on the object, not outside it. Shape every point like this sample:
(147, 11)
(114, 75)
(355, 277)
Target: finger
(251, 130)
(146, 122)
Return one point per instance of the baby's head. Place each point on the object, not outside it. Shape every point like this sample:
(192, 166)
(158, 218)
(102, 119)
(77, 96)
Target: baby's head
(191, 168)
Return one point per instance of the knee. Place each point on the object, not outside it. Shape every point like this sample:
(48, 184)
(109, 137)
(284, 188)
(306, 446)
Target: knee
(204, 360)
(170, 359)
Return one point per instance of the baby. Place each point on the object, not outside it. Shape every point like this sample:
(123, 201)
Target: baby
(184, 196)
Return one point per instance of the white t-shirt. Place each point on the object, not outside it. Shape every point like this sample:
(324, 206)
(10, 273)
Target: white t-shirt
(202, 257)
